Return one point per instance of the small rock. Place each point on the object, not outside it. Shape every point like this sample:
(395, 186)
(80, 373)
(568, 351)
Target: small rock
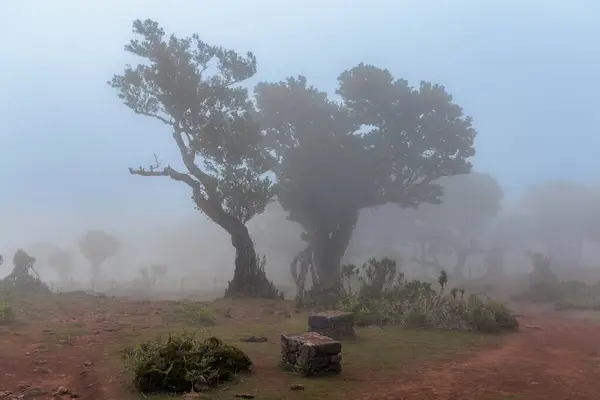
(244, 396)
(87, 364)
(254, 339)
(28, 354)
(42, 370)
(34, 392)
(201, 387)
(192, 395)
(61, 391)
(532, 327)
(297, 386)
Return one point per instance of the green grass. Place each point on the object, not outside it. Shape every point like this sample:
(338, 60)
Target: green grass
(376, 356)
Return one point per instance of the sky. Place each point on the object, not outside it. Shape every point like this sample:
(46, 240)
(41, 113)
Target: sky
(527, 71)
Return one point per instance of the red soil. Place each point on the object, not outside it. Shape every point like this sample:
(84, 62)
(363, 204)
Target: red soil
(553, 357)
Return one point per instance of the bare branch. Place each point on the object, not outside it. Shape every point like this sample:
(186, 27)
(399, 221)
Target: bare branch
(189, 157)
(158, 117)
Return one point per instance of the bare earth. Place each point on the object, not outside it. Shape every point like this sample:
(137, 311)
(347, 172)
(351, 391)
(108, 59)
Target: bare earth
(553, 357)
(76, 345)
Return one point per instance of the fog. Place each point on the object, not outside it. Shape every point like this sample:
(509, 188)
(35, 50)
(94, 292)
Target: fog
(526, 71)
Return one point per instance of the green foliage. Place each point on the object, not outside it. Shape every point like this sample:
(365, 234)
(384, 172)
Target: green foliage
(192, 313)
(385, 297)
(6, 314)
(181, 362)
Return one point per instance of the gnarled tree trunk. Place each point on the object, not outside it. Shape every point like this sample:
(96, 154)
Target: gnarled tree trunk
(249, 279)
(329, 247)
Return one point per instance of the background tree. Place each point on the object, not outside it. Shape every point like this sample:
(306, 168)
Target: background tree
(560, 214)
(159, 270)
(98, 246)
(62, 261)
(455, 227)
(210, 119)
(510, 232)
(385, 142)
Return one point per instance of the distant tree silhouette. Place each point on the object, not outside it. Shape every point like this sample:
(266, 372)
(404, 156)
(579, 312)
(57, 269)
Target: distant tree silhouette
(458, 224)
(98, 246)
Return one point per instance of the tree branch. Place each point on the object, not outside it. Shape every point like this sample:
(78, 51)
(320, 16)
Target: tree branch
(189, 160)
(166, 171)
(204, 204)
(158, 117)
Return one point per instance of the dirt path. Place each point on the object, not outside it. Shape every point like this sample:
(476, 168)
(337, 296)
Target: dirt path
(552, 358)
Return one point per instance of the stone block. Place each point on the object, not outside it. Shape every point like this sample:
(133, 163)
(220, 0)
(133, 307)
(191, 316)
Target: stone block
(334, 324)
(311, 354)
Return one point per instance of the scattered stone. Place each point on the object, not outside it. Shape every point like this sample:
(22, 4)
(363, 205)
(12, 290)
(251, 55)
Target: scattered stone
(34, 392)
(254, 339)
(245, 396)
(297, 386)
(42, 369)
(311, 354)
(201, 387)
(5, 393)
(337, 325)
(62, 391)
(87, 364)
(532, 327)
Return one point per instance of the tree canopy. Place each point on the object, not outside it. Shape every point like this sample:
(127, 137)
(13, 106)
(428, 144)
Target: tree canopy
(195, 90)
(97, 246)
(384, 142)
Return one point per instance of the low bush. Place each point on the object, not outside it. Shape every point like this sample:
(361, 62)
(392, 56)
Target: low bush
(191, 313)
(182, 363)
(6, 314)
(384, 297)
(545, 287)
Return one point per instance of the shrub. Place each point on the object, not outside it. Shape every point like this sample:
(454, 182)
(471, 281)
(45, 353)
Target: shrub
(6, 314)
(385, 297)
(545, 287)
(180, 363)
(192, 313)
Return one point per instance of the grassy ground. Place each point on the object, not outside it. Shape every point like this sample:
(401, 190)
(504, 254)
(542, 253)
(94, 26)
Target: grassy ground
(378, 356)
(59, 334)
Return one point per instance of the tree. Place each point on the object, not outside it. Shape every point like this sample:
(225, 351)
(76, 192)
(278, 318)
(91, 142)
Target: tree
(50, 254)
(98, 246)
(563, 215)
(159, 270)
(385, 142)
(457, 224)
(210, 120)
(62, 262)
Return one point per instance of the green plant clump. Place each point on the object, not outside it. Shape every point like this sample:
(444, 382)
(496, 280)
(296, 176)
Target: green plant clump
(384, 297)
(192, 313)
(182, 363)
(6, 314)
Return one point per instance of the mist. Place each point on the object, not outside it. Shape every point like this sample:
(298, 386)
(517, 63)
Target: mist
(525, 72)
